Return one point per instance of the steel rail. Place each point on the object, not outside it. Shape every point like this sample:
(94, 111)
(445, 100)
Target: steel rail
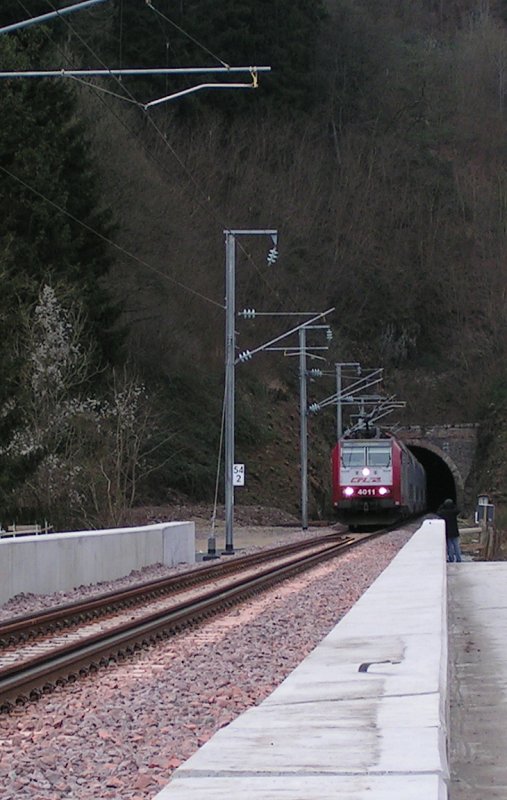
(38, 622)
(41, 673)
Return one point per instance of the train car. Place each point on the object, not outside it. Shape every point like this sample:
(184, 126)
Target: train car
(376, 480)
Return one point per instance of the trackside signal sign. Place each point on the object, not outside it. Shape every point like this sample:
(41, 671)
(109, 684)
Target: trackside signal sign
(238, 475)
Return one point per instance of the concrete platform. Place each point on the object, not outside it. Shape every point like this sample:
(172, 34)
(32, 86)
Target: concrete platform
(301, 787)
(363, 717)
(55, 562)
(478, 688)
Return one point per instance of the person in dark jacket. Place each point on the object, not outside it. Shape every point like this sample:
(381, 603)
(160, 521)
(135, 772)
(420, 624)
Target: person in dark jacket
(449, 513)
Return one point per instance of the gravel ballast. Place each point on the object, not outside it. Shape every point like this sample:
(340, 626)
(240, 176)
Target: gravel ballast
(120, 733)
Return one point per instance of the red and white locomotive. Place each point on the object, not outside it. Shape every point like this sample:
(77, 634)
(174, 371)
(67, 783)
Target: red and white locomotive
(376, 480)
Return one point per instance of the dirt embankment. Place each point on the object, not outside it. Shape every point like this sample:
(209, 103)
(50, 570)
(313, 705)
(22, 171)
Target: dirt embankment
(202, 513)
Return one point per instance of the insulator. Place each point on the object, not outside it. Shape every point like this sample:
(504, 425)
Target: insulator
(314, 373)
(313, 408)
(247, 313)
(329, 335)
(272, 255)
(245, 356)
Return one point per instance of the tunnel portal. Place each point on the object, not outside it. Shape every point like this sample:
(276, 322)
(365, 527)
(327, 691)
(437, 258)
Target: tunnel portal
(442, 477)
(447, 452)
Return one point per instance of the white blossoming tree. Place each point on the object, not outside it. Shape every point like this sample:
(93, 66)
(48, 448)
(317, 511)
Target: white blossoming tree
(83, 455)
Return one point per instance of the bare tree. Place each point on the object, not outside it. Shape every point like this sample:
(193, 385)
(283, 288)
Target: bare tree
(84, 454)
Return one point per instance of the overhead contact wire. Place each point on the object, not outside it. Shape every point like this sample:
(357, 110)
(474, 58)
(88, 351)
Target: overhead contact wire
(204, 205)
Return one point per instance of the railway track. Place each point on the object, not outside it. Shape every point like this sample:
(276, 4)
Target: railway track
(42, 650)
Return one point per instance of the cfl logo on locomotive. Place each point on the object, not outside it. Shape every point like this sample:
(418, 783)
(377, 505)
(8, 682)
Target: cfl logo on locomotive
(368, 479)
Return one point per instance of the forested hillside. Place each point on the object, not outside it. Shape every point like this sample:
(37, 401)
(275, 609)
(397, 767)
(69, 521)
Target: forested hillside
(377, 149)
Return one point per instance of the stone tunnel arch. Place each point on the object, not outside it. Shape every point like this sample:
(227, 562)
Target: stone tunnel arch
(443, 476)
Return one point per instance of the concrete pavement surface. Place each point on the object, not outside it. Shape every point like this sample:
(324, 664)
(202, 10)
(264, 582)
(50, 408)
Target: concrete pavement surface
(363, 717)
(478, 680)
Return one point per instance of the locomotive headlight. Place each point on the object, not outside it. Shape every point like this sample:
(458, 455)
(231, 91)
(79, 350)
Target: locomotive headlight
(383, 490)
(348, 491)
(366, 472)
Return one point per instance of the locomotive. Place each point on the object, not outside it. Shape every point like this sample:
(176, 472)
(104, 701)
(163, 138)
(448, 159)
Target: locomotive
(376, 480)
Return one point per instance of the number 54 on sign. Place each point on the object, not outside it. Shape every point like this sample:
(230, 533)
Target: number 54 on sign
(238, 475)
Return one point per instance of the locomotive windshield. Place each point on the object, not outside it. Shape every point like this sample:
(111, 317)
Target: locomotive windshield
(353, 456)
(379, 456)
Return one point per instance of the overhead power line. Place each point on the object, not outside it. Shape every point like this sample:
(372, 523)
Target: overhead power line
(206, 199)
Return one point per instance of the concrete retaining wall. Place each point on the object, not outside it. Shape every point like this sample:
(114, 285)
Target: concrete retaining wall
(364, 716)
(60, 561)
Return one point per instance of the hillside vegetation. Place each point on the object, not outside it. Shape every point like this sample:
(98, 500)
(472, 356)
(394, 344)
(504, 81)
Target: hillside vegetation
(376, 147)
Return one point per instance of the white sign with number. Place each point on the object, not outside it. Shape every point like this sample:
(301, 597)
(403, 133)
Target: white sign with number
(238, 475)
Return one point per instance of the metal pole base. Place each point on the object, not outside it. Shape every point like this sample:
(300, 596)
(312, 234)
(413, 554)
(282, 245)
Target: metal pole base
(212, 550)
(229, 550)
